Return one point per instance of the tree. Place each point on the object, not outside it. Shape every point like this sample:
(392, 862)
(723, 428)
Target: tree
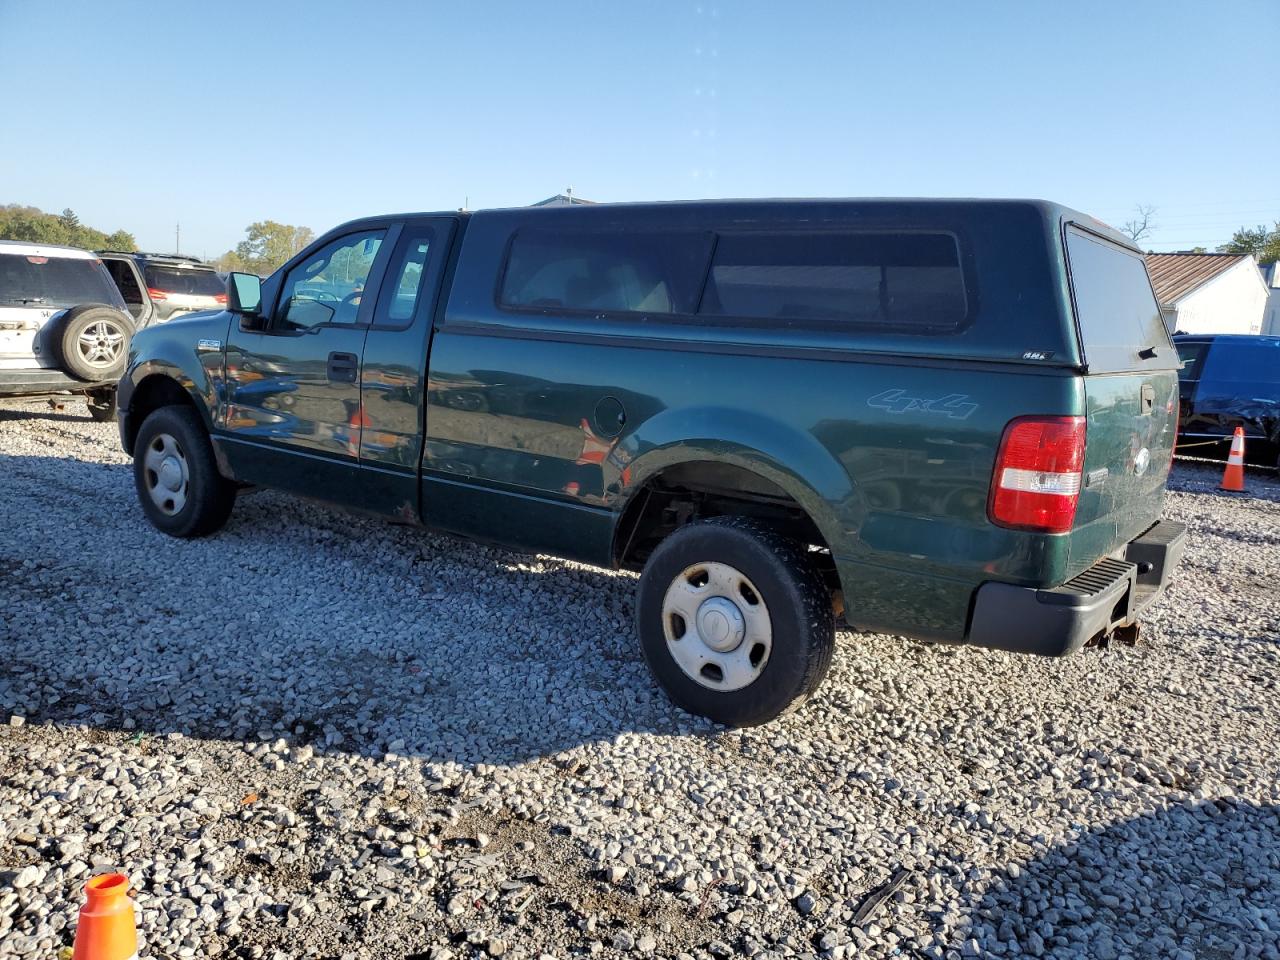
(35, 226)
(1264, 244)
(1143, 223)
(121, 240)
(266, 245)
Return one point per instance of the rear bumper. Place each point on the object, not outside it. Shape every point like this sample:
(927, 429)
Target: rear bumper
(1058, 621)
(36, 381)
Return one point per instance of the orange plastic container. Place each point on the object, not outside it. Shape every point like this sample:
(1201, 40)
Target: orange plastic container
(106, 930)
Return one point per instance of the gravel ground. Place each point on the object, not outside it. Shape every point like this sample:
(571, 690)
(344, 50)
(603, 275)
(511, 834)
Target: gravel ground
(319, 736)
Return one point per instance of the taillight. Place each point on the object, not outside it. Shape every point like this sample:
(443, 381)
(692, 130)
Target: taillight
(220, 297)
(155, 294)
(1036, 484)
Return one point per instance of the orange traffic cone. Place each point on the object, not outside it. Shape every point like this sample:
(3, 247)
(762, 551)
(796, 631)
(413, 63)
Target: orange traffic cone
(106, 930)
(1233, 476)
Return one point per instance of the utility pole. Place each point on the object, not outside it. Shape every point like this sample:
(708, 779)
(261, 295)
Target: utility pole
(177, 238)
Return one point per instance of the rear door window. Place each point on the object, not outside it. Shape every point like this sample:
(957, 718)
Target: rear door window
(604, 272)
(403, 286)
(900, 283)
(1115, 307)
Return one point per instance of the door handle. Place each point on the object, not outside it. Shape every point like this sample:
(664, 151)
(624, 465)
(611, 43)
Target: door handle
(343, 367)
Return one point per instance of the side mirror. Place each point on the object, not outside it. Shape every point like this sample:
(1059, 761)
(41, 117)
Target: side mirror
(244, 294)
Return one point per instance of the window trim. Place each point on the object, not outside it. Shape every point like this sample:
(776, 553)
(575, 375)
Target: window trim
(964, 262)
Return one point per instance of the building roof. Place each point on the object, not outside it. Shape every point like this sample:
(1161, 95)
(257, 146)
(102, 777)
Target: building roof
(1174, 275)
(560, 200)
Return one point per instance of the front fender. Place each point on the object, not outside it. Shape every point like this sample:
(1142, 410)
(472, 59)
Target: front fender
(174, 351)
(791, 458)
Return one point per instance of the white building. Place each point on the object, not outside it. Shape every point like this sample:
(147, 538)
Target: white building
(1271, 316)
(1208, 292)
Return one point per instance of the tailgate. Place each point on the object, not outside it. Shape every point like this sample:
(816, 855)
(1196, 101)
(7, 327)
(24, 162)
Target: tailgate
(1131, 394)
(1131, 424)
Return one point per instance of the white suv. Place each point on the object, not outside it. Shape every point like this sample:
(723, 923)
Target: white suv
(63, 325)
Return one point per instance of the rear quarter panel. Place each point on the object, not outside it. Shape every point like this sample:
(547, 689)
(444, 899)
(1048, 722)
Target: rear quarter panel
(892, 460)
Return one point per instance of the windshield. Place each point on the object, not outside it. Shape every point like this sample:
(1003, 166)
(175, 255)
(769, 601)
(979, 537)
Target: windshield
(55, 281)
(199, 283)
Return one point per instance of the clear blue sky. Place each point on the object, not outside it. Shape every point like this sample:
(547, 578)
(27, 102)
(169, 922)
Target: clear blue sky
(217, 114)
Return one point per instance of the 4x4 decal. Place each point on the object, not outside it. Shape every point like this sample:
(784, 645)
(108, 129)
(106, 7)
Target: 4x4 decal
(953, 405)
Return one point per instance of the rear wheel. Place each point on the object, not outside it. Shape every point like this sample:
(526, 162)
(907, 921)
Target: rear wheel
(179, 486)
(735, 621)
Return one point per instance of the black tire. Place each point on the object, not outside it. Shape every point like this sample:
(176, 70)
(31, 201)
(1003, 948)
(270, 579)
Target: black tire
(88, 357)
(101, 404)
(206, 495)
(798, 605)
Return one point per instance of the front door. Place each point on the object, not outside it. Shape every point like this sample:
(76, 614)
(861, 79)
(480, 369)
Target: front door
(293, 379)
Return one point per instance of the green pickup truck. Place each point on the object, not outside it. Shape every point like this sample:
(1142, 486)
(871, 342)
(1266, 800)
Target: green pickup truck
(947, 419)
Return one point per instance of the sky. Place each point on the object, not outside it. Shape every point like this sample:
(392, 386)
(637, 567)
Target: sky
(214, 115)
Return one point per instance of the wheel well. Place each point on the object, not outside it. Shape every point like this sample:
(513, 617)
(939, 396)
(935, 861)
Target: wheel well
(151, 394)
(701, 489)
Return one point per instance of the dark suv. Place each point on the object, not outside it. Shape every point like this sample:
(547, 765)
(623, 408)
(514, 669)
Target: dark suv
(1230, 381)
(951, 420)
(160, 286)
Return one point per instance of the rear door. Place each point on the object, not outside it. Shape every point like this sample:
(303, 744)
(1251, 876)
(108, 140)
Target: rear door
(1131, 395)
(393, 376)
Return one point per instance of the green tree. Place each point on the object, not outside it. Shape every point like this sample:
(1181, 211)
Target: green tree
(266, 245)
(121, 240)
(1260, 241)
(33, 225)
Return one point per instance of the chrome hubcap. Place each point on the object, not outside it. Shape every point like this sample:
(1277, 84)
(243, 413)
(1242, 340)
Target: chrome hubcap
(717, 626)
(166, 474)
(101, 344)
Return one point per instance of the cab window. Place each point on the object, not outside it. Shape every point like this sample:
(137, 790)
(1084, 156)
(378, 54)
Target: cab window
(327, 287)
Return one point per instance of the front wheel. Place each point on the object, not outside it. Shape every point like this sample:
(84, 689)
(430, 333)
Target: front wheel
(735, 621)
(179, 486)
